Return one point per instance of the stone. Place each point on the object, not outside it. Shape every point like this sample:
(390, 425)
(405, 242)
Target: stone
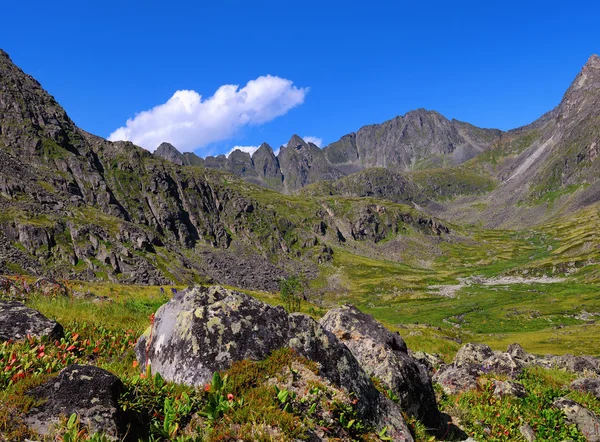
(577, 364)
(90, 392)
(586, 421)
(587, 385)
(431, 362)
(519, 354)
(472, 353)
(509, 388)
(383, 354)
(18, 321)
(455, 379)
(203, 330)
(502, 363)
(527, 432)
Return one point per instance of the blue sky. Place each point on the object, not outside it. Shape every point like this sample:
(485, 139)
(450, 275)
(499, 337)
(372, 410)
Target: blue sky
(319, 69)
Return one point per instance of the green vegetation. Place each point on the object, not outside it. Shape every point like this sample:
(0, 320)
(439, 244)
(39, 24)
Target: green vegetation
(488, 417)
(291, 291)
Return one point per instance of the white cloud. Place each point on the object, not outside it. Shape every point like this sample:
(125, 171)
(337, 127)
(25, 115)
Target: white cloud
(249, 149)
(189, 122)
(317, 141)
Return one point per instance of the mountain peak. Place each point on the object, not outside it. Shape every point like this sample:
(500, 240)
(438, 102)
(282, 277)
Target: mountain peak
(265, 146)
(296, 141)
(170, 153)
(593, 61)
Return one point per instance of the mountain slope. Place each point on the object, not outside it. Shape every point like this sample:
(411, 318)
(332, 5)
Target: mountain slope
(545, 169)
(76, 205)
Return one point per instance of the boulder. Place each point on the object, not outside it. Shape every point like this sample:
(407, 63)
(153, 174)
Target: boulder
(587, 385)
(88, 391)
(519, 354)
(455, 379)
(509, 388)
(383, 354)
(17, 321)
(586, 421)
(502, 363)
(472, 353)
(203, 330)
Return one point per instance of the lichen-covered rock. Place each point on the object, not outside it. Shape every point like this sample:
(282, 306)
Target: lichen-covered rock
(87, 390)
(587, 385)
(383, 354)
(509, 388)
(519, 354)
(502, 363)
(472, 353)
(431, 362)
(203, 330)
(200, 331)
(455, 379)
(586, 421)
(577, 364)
(18, 321)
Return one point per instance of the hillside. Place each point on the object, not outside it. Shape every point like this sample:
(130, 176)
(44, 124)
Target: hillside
(81, 207)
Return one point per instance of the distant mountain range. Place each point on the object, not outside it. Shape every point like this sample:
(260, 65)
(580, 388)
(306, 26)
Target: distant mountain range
(418, 140)
(522, 176)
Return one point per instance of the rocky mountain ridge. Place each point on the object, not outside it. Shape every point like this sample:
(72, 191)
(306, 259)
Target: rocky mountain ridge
(75, 205)
(419, 139)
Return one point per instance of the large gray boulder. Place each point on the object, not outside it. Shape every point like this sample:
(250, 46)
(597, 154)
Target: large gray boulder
(17, 321)
(586, 421)
(203, 330)
(383, 354)
(88, 391)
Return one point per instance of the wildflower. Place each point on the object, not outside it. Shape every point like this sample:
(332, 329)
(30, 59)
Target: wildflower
(135, 364)
(230, 397)
(207, 388)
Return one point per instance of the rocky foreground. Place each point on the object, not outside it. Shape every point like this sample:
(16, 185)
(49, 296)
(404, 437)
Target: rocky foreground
(360, 363)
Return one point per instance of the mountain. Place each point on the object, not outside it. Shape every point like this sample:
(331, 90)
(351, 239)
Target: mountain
(170, 153)
(420, 139)
(75, 205)
(543, 170)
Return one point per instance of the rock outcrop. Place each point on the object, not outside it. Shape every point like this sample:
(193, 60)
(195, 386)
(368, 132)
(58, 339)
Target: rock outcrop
(383, 354)
(88, 391)
(203, 330)
(473, 360)
(18, 321)
(586, 421)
